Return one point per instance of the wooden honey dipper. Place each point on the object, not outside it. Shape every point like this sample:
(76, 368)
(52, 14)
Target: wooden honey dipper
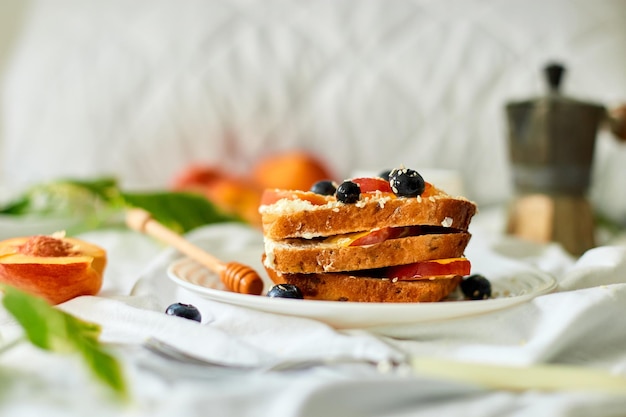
(236, 276)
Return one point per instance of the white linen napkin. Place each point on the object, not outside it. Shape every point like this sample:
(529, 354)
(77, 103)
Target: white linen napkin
(579, 323)
(227, 333)
(576, 324)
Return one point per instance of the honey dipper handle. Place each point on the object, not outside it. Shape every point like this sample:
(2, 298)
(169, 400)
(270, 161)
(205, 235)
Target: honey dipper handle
(142, 221)
(237, 277)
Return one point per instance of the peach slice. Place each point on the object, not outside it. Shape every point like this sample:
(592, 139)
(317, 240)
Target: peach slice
(54, 268)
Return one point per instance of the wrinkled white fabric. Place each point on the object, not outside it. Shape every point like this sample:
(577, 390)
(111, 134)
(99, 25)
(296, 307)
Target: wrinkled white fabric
(577, 324)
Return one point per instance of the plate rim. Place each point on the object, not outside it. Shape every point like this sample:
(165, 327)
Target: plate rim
(330, 308)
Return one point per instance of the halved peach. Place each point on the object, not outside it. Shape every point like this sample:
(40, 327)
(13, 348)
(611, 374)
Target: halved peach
(54, 268)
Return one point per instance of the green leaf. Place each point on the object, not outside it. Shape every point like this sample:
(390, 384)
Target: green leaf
(46, 331)
(179, 211)
(17, 206)
(52, 329)
(105, 188)
(103, 365)
(101, 203)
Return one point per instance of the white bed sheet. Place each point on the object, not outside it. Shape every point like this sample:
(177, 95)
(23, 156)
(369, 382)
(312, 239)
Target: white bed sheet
(580, 324)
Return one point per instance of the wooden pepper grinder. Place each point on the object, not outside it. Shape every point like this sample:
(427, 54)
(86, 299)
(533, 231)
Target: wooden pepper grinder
(551, 144)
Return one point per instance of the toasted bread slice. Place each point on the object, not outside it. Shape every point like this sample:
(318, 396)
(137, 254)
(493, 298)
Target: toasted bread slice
(348, 287)
(367, 249)
(314, 256)
(299, 218)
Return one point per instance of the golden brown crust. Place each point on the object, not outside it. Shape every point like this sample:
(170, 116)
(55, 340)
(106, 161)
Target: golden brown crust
(394, 212)
(345, 287)
(315, 266)
(318, 258)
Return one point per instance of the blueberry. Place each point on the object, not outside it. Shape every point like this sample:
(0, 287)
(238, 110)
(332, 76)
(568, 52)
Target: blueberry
(324, 187)
(184, 310)
(476, 287)
(348, 192)
(385, 175)
(285, 291)
(406, 182)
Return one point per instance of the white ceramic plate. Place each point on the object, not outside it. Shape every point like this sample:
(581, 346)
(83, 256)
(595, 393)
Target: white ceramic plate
(512, 283)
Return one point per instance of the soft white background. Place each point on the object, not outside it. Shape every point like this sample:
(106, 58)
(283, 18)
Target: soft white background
(141, 89)
(11, 17)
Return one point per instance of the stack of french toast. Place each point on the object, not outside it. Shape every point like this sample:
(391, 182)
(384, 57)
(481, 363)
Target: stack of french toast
(393, 238)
